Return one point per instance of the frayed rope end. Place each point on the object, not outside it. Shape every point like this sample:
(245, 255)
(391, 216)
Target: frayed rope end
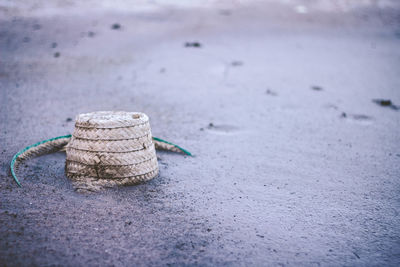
(178, 147)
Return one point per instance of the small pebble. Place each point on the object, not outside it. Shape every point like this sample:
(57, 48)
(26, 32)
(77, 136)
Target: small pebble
(316, 88)
(383, 102)
(192, 44)
(116, 26)
(386, 103)
(237, 63)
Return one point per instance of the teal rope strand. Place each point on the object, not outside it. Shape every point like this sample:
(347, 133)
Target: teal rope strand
(14, 159)
(183, 150)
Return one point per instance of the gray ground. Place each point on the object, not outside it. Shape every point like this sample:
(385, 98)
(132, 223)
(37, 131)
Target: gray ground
(295, 164)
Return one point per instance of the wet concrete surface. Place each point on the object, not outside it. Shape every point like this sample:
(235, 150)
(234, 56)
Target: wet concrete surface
(283, 173)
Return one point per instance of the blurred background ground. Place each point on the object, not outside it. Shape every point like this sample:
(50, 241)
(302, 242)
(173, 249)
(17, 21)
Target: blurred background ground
(296, 164)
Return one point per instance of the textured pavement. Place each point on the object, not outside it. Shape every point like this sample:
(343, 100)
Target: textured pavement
(295, 164)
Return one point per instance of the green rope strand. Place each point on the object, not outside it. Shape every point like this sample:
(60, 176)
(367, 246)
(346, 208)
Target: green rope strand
(14, 159)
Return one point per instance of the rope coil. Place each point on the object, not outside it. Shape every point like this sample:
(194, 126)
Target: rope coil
(105, 149)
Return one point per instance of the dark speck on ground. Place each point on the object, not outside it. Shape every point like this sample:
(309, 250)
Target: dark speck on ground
(57, 54)
(193, 44)
(54, 45)
(116, 26)
(271, 93)
(316, 88)
(68, 120)
(357, 117)
(385, 103)
(91, 34)
(237, 63)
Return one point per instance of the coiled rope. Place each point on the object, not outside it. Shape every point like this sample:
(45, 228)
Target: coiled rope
(58, 144)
